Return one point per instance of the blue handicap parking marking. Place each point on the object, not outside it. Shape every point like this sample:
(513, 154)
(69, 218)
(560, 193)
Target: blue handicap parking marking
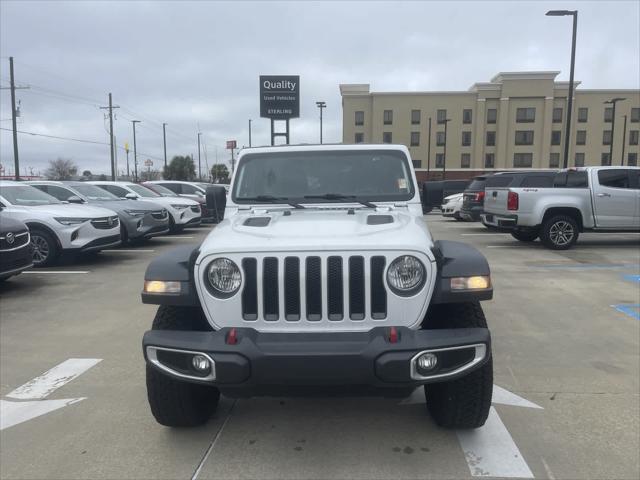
(632, 278)
(630, 309)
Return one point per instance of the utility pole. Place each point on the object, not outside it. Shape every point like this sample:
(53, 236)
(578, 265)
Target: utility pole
(113, 162)
(199, 172)
(321, 105)
(164, 140)
(249, 133)
(126, 149)
(624, 139)
(135, 152)
(14, 115)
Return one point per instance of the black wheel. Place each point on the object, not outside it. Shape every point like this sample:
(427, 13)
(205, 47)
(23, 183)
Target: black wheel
(465, 402)
(525, 236)
(173, 228)
(173, 402)
(559, 232)
(45, 248)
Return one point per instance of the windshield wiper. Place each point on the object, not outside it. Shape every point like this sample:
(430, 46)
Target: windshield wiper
(339, 196)
(271, 199)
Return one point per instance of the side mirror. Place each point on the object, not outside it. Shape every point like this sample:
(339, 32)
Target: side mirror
(75, 199)
(131, 196)
(216, 202)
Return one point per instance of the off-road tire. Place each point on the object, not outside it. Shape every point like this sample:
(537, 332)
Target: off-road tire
(549, 232)
(463, 403)
(40, 238)
(525, 235)
(175, 403)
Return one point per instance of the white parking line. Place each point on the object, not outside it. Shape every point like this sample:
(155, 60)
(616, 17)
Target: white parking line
(13, 413)
(515, 245)
(171, 237)
(128, 251)
(36, 272)
(484, 234)
(51, 380)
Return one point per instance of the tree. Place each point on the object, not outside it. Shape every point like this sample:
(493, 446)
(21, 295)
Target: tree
(61, 169)
(180, 168)
(87, 174)
(220, 173)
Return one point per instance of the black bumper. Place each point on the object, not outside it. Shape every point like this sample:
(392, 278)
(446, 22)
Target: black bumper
(262, 360)
(471, 212)
(15, 261)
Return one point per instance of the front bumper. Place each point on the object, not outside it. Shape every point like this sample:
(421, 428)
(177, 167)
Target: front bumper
(261, 360)
(146, 226)
(12, 262)
(507, 222)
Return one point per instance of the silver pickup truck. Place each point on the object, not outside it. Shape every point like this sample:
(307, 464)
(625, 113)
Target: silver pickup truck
(596, 199)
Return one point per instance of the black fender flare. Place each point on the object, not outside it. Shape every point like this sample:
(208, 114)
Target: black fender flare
(176, 265)
(457, 259)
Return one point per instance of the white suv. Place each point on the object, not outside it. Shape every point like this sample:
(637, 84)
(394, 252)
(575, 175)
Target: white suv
(182, 212)
(57, 227)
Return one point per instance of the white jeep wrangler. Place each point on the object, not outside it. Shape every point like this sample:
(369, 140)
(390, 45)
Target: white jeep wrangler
(322, 277)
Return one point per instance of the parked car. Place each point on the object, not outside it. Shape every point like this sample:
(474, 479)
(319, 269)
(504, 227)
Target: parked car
(434, 192)
(56, 227)
(193, 190)
(16, 251)
(473, 199)
(451, 206)
(182, 211)
(319, 280)
(138, 219)
(596, 199)
(206, 215)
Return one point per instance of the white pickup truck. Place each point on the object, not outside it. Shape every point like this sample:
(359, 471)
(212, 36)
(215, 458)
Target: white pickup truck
(595, 199)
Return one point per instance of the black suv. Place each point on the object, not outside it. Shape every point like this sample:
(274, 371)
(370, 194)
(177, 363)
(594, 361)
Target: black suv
(473, 199)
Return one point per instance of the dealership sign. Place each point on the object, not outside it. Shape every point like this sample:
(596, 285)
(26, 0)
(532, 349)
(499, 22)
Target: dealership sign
(280, 96)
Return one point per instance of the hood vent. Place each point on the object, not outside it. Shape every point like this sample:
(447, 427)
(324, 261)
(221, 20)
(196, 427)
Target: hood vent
(257, 221)
(379, 219)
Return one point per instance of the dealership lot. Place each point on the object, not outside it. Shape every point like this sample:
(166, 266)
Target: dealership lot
(565, 327)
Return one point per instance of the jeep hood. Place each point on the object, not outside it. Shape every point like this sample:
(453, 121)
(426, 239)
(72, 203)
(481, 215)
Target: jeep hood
(319, 229)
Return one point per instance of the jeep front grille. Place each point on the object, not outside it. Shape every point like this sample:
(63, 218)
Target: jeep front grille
(336, 295)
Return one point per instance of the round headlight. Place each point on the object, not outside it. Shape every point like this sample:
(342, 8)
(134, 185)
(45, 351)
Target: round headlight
(224, 277)
(406, 275)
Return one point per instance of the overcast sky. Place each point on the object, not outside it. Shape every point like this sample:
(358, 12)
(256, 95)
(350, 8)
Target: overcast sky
(197, 63)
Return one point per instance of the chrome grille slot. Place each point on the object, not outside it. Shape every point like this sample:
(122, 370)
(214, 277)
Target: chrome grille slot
(105, 223)
(250, 289)
(13, 241)
(270, 289)
(292, 288)
(335, 300)
(159, 214)
(356, 288)
(314, 288)
(378, 292)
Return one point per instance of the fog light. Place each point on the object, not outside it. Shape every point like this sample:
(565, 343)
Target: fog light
(470, 283)
(427, 361)
(159, 286)
(200, 363)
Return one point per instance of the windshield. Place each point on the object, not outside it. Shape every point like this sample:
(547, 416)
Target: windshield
(143, 191)
(324, 176)
(26, 195)
(91, 192)
(164, 191)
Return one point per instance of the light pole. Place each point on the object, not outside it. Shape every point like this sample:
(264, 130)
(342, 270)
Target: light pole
(567, 128)
(164, 141)
(321, 105)
(444, 154)
(135, 152)
(249, 132)
(613, 102)
(199, 172)
(624, 140)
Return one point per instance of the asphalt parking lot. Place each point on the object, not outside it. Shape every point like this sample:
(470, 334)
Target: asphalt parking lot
(566, 333)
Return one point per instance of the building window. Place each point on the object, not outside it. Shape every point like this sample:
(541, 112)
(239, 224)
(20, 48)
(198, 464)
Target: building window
(526, 115)
(465, 160)
(581, 137)
(489, 160)
(524, 137)
(557, 115)
(359, 138)
(387, 137)
(635, 115)
(522, 160)
(492, 115)
(632, 159)
(415, 117)
(439, 160)
(415, 139)
(606, 137)
(608, 114)
(633, 137)
(441, 116)
(583, 114)
(387, 117)
(466, 139)
(359, 118)
(605, 159)
(417, 163)
(440, 139)
(491, 139)
(579, 159)
(556, 135)
(554, 160)
(467, 116)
